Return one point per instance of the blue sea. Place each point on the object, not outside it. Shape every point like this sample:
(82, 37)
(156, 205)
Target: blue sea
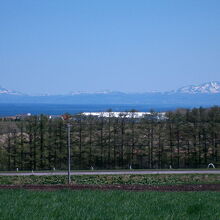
(55, 109)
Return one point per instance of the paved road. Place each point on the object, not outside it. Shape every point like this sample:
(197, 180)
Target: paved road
(112, 172)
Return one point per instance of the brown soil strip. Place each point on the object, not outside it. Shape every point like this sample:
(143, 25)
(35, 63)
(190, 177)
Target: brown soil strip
(161, 188)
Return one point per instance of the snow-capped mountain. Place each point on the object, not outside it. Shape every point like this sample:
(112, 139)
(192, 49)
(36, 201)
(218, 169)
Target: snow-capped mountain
(8, 92)
(205, 88)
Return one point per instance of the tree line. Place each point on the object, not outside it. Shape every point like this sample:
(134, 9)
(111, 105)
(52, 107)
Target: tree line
(185, 138)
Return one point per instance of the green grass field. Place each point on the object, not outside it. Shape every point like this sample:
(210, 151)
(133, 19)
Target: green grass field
(149, 179)
(101, 205)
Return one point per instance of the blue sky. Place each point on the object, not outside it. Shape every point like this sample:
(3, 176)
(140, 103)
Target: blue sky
(53, 46)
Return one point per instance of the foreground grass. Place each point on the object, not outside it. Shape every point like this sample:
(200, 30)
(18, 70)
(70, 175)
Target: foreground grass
(150, 179)
(99, 205)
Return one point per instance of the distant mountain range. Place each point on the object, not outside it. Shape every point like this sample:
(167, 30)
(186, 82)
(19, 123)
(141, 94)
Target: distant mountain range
(205, 94)
(207, 88)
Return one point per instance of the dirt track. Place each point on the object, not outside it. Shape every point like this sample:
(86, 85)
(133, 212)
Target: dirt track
(167, 188)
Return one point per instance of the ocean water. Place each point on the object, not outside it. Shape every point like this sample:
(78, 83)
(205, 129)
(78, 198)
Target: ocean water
(55, 109)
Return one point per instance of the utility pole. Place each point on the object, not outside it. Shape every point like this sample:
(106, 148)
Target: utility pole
(66, 118)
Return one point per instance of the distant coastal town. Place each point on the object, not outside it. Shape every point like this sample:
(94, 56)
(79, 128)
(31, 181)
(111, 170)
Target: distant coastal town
(106, 114)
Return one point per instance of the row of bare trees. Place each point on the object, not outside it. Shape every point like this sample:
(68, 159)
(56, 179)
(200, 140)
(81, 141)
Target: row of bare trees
(182, 139)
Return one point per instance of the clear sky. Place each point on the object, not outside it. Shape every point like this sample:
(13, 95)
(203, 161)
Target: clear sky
(55, 46)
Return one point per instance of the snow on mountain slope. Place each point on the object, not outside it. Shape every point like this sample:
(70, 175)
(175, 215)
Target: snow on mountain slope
(207, 88)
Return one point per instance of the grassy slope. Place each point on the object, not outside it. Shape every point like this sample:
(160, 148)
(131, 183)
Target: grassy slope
(155, 179)
(99, 205)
